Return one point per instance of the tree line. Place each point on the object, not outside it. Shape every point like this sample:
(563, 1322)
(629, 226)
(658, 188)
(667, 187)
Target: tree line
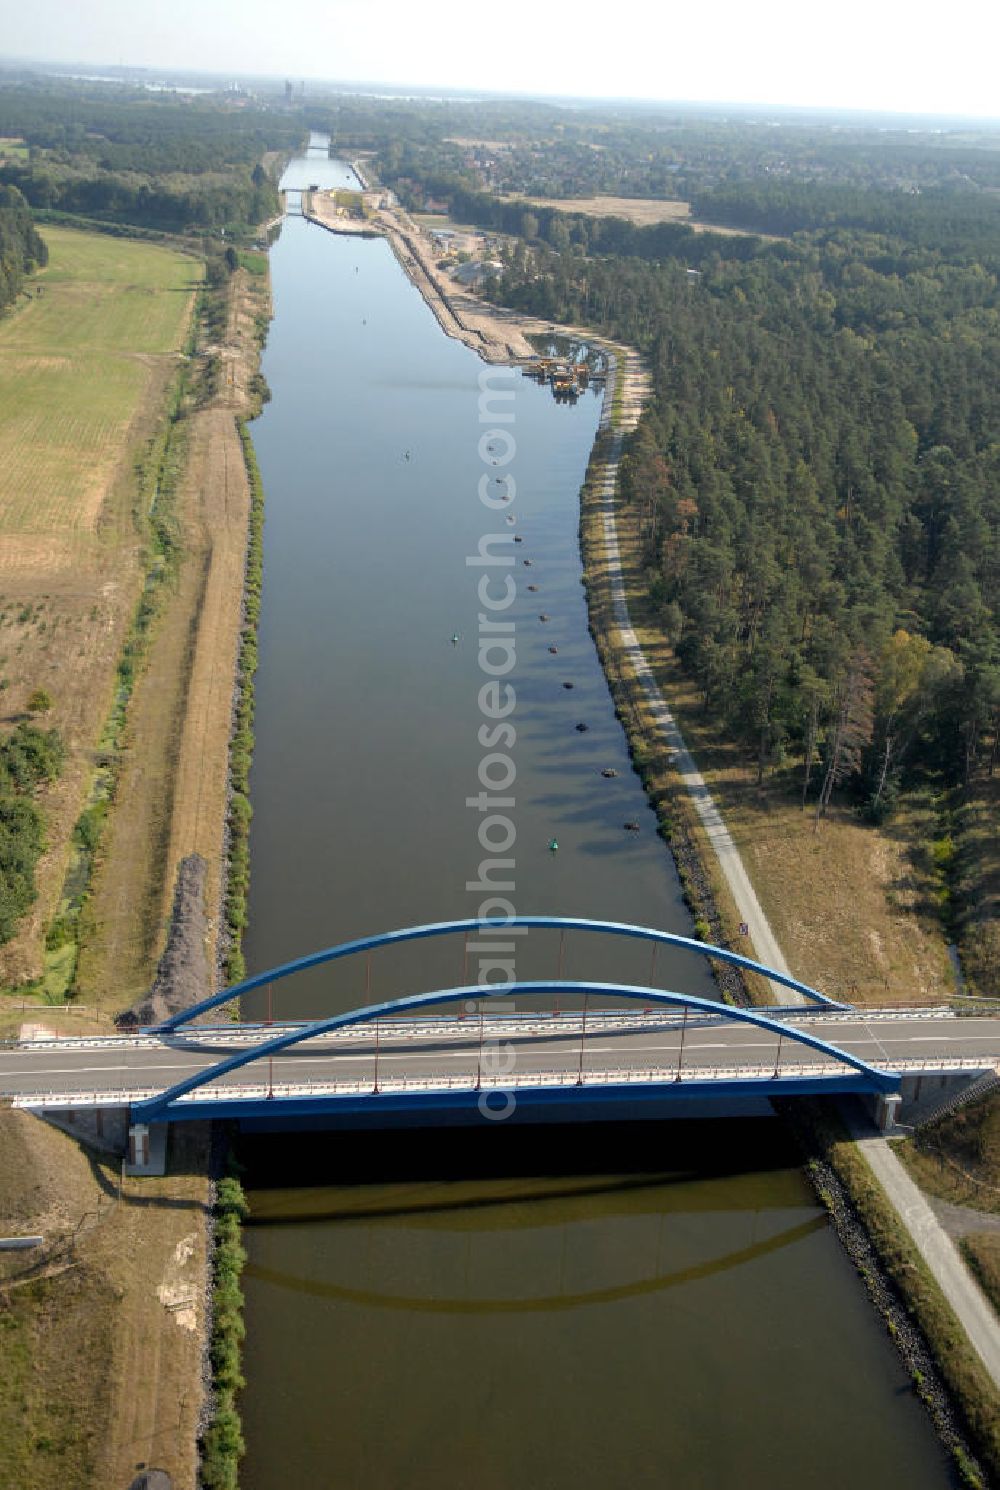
(817, 488)
(21, 248)
(123, 129)
(242, 198)
(152, 160)
(817, 479)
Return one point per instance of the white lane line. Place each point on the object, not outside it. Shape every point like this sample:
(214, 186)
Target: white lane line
(343, 1058)
(108, 1070)
(942, 1039)
(569, 1046)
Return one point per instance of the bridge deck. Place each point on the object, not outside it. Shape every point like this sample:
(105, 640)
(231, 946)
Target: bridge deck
(423, 1058)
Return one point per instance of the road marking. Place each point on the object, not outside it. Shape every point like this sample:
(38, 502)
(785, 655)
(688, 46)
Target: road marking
(634, 1052)
(108, 1070)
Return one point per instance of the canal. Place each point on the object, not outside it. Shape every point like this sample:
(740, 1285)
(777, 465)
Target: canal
(497, 1307)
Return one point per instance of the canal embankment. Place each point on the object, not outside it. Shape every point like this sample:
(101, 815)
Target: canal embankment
(330, 860)
(495, 334)
(107, 1334)
(718, 885)
(173, 795)
(933, 1307)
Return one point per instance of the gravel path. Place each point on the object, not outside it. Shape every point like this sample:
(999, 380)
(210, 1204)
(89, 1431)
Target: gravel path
(764, 942)
(929, 1235)
(935, 1245)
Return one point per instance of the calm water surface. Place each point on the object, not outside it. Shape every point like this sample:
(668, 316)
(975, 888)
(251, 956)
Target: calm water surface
(499, 1309)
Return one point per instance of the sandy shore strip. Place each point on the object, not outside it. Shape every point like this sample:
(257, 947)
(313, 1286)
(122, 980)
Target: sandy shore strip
(497, 335)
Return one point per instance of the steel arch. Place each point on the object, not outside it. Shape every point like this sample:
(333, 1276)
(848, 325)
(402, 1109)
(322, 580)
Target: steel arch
(148, 1109)
(442, 928)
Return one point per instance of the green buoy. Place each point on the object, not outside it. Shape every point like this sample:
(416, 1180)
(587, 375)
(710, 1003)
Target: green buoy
(553, 845)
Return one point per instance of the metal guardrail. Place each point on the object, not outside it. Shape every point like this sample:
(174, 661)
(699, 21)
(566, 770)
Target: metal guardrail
(624, 1076)
(568, 1020)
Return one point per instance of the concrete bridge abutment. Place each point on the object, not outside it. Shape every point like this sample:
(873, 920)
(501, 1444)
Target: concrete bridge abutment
(142, 1146)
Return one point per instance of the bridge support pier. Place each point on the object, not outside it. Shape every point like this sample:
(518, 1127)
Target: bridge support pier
(887, 1106)
(146, 1152)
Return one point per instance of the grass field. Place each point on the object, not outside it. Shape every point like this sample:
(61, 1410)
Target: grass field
(100, 293)
(74, 365)
(103, 1349)
(253, 263)
(85, 361)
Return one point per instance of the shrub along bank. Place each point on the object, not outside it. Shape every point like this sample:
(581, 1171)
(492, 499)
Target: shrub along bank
(28, 758)
(241, 745)
(222, 1445)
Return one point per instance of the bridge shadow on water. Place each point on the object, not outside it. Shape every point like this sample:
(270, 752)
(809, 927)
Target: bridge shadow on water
(545, 1271)
(515, 1182)
(555, 1161)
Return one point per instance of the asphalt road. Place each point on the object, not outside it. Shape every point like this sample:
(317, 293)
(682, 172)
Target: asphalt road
(449, 1050)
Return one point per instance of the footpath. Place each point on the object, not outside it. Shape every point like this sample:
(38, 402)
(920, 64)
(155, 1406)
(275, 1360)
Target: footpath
(937, 1249)
(762, 938)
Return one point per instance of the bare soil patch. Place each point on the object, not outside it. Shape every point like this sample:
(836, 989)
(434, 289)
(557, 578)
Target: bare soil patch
(644, 212)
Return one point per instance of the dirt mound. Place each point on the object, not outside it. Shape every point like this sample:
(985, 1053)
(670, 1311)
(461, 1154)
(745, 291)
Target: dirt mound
(183, 976)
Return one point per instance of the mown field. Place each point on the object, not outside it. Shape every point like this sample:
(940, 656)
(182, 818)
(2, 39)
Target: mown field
(74, 365)
(86, 358)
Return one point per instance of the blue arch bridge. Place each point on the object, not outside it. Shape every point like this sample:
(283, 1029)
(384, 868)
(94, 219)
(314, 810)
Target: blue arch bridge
(552, 1049)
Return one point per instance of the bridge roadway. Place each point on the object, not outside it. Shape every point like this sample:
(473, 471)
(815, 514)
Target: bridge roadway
(525, 1050)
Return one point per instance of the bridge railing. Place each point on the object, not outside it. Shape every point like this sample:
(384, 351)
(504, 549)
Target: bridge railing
(466, 1082)
(359, 1086)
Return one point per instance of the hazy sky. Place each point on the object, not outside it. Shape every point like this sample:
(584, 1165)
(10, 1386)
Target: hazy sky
(879, 54)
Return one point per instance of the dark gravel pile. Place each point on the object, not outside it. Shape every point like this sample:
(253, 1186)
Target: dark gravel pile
(183, 976)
